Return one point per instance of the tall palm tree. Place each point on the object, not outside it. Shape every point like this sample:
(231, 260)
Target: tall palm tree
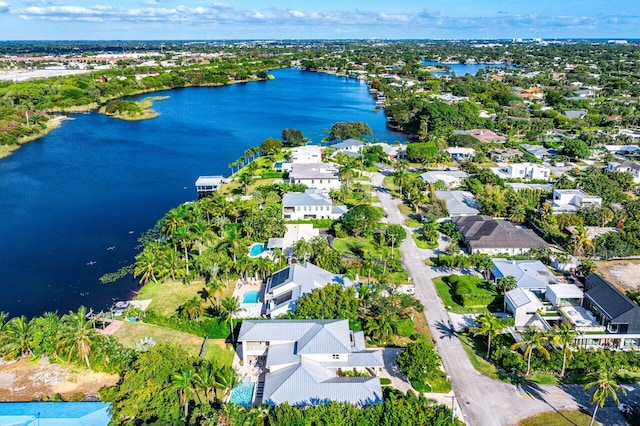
(183, 236)
(229, 306)
(581, 241)
(205, 380)
(605, 385)
(77, 334)
(245, 179)
(532, 339)
(202, 234)
(183, 382)
(489, 326)
(17, 338)
(564, 336)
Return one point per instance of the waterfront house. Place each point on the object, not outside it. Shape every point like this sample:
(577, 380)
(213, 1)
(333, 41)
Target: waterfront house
(310, 362)
(287, 285)
(322, 176)
(208, 184)
(459, 203)
(484, 234)
(572, 200)
(310, 204)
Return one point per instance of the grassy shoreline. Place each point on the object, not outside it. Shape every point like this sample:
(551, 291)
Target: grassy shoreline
(52, 124)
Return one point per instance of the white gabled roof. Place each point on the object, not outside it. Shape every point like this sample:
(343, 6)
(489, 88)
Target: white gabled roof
(520, 297)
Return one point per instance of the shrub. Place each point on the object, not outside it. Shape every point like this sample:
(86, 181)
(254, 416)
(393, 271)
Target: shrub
(213, 328)
(405, 327)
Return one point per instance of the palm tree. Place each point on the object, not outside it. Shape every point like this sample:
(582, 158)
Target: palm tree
(205, 380)
(174, 219)
(564, 336)
(490, 326)
(193, 308)
(532, 339)
(147, 263)
(229, 306)
(183, 237)
(302, 249)
(77, 333)
(604, 382)
(202, 233)
(17, 337)
(183, 382)
(226, 379)
(245, 179)
(581, 240)
(347, 172)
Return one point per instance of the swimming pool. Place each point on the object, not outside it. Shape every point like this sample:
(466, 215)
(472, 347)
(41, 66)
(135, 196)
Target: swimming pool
(251, 297)
(256, 250)
(242, 394)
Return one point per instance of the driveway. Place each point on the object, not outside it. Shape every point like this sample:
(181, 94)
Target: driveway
(483, 401)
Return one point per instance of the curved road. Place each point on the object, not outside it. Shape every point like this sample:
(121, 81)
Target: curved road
(483, 401)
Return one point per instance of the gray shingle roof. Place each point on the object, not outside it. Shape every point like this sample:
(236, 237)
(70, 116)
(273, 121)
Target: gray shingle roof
(484, 232)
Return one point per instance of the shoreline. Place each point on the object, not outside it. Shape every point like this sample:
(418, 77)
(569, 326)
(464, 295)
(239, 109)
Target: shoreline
(54, 123)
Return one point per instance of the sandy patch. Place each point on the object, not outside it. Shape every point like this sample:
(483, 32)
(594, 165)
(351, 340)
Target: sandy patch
(27, 381)
(623, 273)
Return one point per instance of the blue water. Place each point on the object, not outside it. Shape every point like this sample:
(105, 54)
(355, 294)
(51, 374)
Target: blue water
(256, 250)
(97, 182)
(251, 297)
(242, 394)
(464, 69)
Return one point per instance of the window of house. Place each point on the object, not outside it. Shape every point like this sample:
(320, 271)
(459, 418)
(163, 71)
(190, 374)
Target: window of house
(335, 356)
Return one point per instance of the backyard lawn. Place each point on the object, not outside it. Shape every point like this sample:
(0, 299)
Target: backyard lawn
(168, 296)
(131, 333)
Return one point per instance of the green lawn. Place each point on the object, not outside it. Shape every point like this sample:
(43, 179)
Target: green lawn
(557, 418)
(168, 296)
(447, 298)
(131, 333)
(413, 223)
(479, 363)
(421, 243)
(405, 209)
(544, 379)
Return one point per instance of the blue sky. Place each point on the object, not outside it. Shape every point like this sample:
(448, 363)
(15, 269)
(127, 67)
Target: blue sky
(305, 19)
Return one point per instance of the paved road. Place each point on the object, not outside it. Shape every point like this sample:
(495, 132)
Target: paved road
(483, 401)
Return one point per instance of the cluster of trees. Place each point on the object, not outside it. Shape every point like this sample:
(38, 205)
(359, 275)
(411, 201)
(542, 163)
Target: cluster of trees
(26, 106)
(420, 362)
(349, 130)
(70, 338)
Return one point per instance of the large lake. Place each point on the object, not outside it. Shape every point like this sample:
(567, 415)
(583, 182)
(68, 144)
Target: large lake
(86, 191)
(464, 69)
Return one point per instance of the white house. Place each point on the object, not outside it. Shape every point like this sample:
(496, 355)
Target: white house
(527, 171)
(625, 167)
(293, 234)
(310, 204)
(531, 275)
(348, 145)
(306, 361)
(564, 295)
(287, 285)
(622, 149)
(571, 200)
(322, 176)
(451, 178)
(308, 154)
(208, 184)
(523, 305)
(461, 153)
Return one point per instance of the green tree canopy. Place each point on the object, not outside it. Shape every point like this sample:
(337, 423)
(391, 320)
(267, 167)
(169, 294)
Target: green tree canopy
(270, 146)
(351, 129)
(361, 219)
(293, 137)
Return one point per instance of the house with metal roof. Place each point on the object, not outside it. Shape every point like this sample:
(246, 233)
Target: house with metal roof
(287, 285)
(625, 167)
(208, 184)
(348, 145)
(484, 234)
(612, 308)
(310, 362)
(310, 204)
(322, 176)
(531, 275)
(451, 178)
(459, 203)
(524, 306)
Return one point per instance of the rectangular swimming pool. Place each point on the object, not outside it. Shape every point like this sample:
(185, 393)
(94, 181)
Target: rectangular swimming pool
(242, 394)
(251, 297)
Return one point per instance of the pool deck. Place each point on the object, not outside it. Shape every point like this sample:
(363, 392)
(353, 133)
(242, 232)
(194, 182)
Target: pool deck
(111, 328)
(249, 310)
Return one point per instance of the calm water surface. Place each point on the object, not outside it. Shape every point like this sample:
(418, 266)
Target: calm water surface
(97, 183)
(464, 69)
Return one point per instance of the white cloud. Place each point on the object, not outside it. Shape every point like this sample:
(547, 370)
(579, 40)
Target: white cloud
(4, 6)
(296, 13)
